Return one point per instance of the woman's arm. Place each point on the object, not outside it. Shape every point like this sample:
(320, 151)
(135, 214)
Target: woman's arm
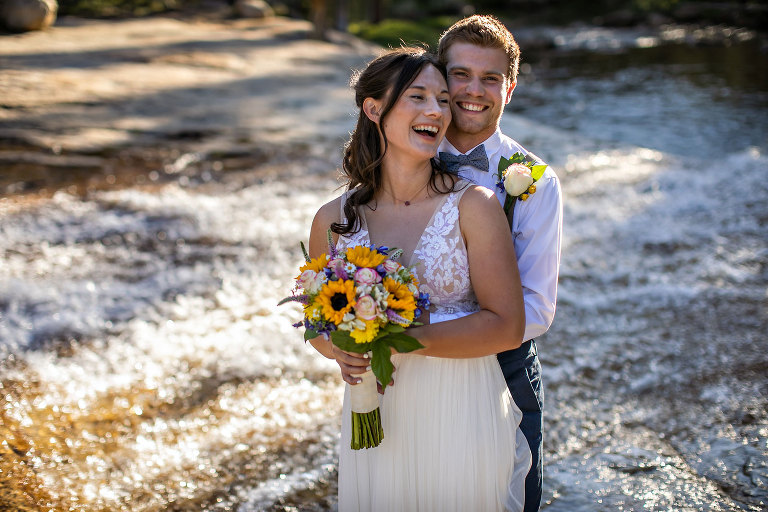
(500, 323)
(349, 363)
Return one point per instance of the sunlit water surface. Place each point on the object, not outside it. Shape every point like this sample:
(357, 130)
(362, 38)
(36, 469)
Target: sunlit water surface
(146, 365)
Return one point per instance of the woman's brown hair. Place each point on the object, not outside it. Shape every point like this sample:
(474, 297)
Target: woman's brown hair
(385, 77)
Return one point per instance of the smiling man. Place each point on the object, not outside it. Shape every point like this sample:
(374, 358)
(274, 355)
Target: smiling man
(482, 59)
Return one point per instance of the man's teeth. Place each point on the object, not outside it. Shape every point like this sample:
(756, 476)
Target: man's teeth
(426, 128)
(472, 107)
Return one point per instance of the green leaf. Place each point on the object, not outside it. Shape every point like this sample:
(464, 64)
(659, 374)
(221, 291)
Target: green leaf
(309, 334)
(402, 342)
(380, 364)
(503, 164)
(537, 171)
(517, 158)
(304, 250)
(344, 341)
(392, 328)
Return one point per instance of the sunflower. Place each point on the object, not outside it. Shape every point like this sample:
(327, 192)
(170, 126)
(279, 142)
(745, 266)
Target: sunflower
(400, 298)
(316, 264)
(337, 298)
(362, 256)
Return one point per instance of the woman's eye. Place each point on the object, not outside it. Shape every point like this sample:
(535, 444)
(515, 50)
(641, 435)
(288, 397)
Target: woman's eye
(417, 97)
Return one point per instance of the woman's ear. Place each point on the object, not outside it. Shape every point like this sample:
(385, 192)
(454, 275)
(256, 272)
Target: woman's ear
(372, 109)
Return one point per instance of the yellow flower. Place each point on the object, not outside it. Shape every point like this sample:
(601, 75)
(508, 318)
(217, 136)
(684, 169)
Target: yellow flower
(400, 298)
(532, 189)
(367, 335)
(337, 298)
(524, 197)
(362, 256)
(317, 264)
(313, 310)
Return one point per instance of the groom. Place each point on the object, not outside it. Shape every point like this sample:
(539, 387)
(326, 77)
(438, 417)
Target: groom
(482, 59)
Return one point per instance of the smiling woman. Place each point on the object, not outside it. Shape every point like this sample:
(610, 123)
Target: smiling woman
(399, 197)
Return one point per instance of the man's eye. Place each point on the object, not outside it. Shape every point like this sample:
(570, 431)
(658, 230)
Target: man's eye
(417, 96)
(443, 100)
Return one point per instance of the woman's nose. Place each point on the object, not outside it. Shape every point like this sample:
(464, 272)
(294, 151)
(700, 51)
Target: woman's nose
(433, 108)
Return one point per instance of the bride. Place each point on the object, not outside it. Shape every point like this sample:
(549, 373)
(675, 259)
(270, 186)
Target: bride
(452, 440)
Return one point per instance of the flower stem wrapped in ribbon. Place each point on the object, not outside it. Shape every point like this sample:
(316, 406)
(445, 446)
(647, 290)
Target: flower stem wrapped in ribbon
(363, 300)
(517, 176)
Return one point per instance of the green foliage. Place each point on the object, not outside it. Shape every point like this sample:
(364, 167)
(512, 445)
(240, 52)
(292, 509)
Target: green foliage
(390, 336)
(381, 364)
(394, 32)
(112, 8)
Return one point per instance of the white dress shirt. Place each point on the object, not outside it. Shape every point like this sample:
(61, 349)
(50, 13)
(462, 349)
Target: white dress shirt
(537, 230)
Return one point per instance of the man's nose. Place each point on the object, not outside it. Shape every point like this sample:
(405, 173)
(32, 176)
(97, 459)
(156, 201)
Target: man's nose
(475, 87)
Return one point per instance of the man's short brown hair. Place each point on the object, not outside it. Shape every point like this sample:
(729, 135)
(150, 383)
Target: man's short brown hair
(481, 30)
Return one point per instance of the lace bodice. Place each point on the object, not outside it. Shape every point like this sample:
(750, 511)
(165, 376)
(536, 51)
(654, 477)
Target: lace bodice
(439, 260)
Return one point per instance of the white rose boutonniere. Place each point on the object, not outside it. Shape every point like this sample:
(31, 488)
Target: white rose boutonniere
(517, 177)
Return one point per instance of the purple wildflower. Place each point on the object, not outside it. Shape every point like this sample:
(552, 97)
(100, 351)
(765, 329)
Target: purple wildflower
(340, 272)
(302, 299)
(392, 316)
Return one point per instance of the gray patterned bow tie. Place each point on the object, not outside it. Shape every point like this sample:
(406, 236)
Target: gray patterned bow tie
(477, 159)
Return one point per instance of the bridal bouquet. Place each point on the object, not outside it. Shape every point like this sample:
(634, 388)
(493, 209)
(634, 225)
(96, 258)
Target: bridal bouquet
(517, 176)
(362, 299)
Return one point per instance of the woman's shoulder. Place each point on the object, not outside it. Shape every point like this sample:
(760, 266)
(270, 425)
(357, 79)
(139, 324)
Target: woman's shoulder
(476, 197)
(330, 212)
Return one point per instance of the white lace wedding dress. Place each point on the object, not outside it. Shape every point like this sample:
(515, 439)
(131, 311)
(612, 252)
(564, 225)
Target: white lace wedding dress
(451, 436)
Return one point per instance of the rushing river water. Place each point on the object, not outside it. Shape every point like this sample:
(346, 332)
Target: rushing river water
(146, 366)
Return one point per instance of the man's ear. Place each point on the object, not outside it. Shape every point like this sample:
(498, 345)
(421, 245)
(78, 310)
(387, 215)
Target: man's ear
(372, 109)
(511, 87)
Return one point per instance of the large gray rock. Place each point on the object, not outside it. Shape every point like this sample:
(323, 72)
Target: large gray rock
(23, 15)
(253, 9)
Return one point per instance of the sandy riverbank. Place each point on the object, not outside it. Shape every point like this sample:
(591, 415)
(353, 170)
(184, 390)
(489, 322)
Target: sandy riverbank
(100, 103)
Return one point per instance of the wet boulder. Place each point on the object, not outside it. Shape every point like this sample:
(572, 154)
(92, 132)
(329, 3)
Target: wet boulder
(24, 15)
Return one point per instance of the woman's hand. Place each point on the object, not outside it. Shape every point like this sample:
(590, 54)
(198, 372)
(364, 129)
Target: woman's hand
(351, 364)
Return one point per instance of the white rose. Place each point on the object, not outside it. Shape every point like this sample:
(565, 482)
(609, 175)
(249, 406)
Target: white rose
(391, 266)
(306, 278)
(365, 308)
(312, 281)
(517, 179)
(332, 263)
(367, 276)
